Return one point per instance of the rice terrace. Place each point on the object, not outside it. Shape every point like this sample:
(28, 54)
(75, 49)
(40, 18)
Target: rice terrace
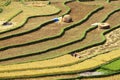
(59, 39)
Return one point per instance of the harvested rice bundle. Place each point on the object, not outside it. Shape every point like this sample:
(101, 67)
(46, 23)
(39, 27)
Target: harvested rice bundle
(67, 19)
(101, 25)
(104, 26)
(64, 19)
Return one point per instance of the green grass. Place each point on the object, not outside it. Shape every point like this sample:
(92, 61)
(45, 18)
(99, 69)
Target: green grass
(1, 10)
(108, 1)
(104, 71)
(115, 65)
(109, 68)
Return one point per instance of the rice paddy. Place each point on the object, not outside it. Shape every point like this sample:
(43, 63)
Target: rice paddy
(33, 46)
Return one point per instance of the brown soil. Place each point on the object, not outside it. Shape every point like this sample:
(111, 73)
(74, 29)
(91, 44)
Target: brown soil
(115, 2)
(53, 29)
(96, 33)
(112, 38)
(34, 22)
(113, 42)
(100, 2)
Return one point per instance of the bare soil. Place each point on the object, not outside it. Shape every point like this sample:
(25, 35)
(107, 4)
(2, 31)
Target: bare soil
(35, 22)
(84, 42)
(113, 41)
(100, 2)
(54, 28)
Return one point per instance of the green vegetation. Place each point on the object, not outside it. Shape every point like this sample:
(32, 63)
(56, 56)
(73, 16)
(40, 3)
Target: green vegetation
(36, 25)
(108, 1)
(67, 49)
(114, 66)
(4, 3)
(83, 34)
(33, 45)
(1, 10)
(86, 65)
(107, 69)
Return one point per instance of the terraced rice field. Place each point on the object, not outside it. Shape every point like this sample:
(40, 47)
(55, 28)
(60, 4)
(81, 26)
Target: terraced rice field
(38, 48)
(22, 17)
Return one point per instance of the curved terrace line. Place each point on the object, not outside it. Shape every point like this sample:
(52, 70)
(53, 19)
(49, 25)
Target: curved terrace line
(54, 71)
(25, 21)
(56, 36)
(98, 42)
(84, 20)
(14, 34)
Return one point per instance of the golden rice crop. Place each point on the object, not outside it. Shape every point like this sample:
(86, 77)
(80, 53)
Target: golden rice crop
(87, 64)
(8, 13)
(15, 7)
(66, 59)
(77, 67)
(108, 56)
(63, 60)
(32, 11)
(28, 11)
